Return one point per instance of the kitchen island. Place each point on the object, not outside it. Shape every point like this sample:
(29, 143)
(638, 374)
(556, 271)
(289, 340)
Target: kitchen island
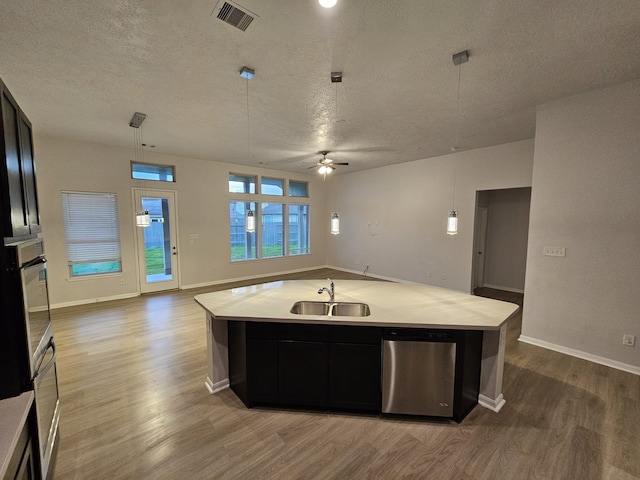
(392, 305)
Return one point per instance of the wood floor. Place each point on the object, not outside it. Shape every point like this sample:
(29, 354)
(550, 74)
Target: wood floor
(134, 406)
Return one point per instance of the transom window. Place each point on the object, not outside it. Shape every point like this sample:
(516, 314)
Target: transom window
(148, 171)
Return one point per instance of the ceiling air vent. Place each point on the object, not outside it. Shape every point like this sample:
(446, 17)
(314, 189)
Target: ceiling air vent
(233, 15)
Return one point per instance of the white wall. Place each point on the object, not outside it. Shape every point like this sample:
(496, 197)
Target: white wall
(203, 209)
(507, 234)
(394, 218)
(586, 197)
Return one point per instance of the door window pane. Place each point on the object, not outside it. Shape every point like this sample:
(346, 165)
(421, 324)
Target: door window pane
(298, 229)
(272, 230)
(157, 240)
(242, 183)
(243, 243)
(272, 186)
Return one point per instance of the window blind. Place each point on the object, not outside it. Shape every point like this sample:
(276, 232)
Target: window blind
(91, 227)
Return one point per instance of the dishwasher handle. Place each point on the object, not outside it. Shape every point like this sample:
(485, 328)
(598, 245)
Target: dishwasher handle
(419, 335)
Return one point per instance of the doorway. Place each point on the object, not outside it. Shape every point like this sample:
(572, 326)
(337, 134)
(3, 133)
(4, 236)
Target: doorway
(500, 239)
(156, 245)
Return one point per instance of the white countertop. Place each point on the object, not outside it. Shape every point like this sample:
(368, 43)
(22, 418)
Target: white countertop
(391, 304)
(13, 415)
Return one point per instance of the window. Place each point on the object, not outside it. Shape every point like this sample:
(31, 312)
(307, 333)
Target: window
(92, 233)
(298, 189)
(272, 186)
(242, 184)
(298, 229)
(243, 243)
(272, 230)
(147, 171)
(281, 228)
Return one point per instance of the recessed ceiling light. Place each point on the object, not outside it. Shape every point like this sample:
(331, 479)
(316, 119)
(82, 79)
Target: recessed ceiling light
(327, 3)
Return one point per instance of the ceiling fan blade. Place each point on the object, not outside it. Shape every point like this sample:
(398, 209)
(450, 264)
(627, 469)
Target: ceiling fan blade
(339, 163)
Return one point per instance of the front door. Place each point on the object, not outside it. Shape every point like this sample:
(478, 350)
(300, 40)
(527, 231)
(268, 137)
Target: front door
(157, 244)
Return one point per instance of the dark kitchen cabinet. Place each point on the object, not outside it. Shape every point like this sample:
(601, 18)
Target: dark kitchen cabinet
(262, 371)
(18, 197)
(355, 368)
(303, 373)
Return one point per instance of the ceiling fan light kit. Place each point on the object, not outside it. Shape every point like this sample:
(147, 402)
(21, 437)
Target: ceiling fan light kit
(327, 3)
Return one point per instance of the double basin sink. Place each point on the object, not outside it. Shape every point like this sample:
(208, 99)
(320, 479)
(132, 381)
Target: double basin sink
(331, 309)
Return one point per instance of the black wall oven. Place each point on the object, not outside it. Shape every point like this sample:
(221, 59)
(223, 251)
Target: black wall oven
(27, 332)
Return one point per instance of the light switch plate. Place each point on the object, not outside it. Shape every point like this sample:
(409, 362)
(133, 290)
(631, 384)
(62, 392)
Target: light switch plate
(629, 340)
(554, 251)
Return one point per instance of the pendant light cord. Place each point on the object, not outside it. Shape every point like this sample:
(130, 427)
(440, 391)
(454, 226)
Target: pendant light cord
(457, 138)
(248, 143)
(453, 199)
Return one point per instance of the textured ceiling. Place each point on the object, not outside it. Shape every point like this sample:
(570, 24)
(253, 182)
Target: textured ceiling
(81, 69)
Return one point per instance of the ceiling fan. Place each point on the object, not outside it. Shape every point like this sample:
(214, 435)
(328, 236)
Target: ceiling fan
(326, 165)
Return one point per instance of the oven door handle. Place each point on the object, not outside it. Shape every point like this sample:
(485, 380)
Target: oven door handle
(36, 261)
(40, 370)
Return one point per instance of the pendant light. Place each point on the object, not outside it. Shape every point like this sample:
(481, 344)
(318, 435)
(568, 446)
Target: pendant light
(452, 219)
(143, 219)
(335, 223)
(251, 222)
(336, 77)
(248, 73)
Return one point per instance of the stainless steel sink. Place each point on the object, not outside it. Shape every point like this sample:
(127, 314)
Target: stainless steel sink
(311, 308)
(345, 309)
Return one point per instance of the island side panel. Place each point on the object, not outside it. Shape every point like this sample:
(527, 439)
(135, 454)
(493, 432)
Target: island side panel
(493, 347)
(217, 355)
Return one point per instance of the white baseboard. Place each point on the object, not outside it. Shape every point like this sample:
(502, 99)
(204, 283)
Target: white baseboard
(372, 275)
(493, 405)
(506, 289)
(250, 277)
(607, 362)
(216, 387)
(87, 301)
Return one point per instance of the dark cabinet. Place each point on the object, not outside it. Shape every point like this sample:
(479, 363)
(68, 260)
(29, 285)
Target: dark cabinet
(18, 197)
(305, 365)
(354, 376)
(262, 371)
(303, 373)
(354, 368)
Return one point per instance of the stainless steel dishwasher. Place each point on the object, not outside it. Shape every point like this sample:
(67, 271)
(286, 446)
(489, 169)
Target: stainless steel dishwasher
(418, 373)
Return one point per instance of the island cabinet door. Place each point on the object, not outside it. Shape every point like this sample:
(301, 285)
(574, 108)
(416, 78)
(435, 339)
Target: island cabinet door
(354, 377)
(303, 369)
(262, 371)
(354, 368)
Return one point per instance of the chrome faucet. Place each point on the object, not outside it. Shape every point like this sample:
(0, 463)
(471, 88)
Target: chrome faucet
(330, 290)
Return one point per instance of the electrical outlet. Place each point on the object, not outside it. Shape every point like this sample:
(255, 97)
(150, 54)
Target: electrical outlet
(629, 340)
(444, 276)
(554, 251)
(428, 274)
